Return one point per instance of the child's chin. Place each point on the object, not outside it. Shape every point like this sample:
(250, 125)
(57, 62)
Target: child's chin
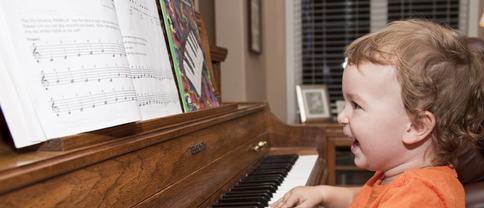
(360, 163)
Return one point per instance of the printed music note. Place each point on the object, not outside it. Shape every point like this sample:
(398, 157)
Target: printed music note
(72, 78)
(82, 106)
(139, 72)
(43, 80)
(145, 99)
(54, 107)
(35, 52)
(91, 52)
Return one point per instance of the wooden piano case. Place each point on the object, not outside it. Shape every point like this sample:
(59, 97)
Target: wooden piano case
(186, 160)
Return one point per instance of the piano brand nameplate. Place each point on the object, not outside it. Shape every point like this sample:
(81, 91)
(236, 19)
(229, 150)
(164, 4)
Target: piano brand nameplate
(197, 148)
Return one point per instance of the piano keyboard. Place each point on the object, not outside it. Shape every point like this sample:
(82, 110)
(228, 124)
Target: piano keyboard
(269, 181)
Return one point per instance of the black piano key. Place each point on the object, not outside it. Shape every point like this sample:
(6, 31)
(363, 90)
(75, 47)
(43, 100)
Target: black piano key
(247, 193)
(261, 181)
(238, 206)
(275, 158)
(269, 172)
(217, 206)
(266, 167)
(275, 163)
(241, 195)
(249, 183)
(279, 160)
(264, 172)
(248, 186)
(275, 166)
(264, 176)
(266, 192)
(243, 199)
(280, 156)
(235, 188)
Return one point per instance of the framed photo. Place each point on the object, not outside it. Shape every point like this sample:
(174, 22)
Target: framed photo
(340, 106)
(313, 103)
(255, 26)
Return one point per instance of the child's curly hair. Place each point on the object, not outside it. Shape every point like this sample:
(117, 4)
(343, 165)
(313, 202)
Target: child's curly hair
(438, 73)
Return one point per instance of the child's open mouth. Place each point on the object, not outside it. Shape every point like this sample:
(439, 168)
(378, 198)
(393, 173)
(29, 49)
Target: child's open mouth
(354, 144)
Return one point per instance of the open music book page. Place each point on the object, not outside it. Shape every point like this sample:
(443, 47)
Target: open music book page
(148, 58)
(64, 70)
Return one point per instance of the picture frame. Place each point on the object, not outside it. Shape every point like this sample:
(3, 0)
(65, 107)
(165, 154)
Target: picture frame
(313, 103)
(340, 106)
(255, 26)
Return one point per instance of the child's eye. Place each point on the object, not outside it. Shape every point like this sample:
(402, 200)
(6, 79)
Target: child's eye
(355, 105)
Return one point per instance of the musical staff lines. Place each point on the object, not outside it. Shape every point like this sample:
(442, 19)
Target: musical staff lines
(91, 101)
(139, 8)
(52, 52)
(138, 72)
(97, 74)
(151, 99)
(109, 4)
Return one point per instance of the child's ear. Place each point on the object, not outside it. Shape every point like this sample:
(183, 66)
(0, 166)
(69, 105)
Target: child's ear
(419, 128)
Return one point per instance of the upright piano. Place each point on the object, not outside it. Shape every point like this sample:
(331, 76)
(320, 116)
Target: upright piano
(186, 160)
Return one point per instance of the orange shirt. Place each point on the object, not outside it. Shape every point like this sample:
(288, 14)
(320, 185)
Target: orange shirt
(426, 187)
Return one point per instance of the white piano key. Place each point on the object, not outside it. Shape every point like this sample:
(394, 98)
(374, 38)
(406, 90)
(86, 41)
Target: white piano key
(297, 176)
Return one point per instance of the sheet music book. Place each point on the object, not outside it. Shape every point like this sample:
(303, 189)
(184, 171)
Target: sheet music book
(194, 81)
(69, 66)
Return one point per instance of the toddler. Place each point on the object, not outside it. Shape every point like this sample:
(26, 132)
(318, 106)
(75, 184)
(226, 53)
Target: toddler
(414, 94)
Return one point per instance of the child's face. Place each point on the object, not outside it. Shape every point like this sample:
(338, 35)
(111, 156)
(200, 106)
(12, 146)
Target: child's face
(374, 116)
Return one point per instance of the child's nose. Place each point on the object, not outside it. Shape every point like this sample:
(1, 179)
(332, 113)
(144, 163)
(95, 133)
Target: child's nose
(342, 118)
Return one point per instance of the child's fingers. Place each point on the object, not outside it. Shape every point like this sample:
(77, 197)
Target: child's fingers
(276, 204)
(304, 205)
(289, 200)
(282, 202)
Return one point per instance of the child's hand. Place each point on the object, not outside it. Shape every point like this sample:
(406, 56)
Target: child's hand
(313, 196)
(301, 196)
